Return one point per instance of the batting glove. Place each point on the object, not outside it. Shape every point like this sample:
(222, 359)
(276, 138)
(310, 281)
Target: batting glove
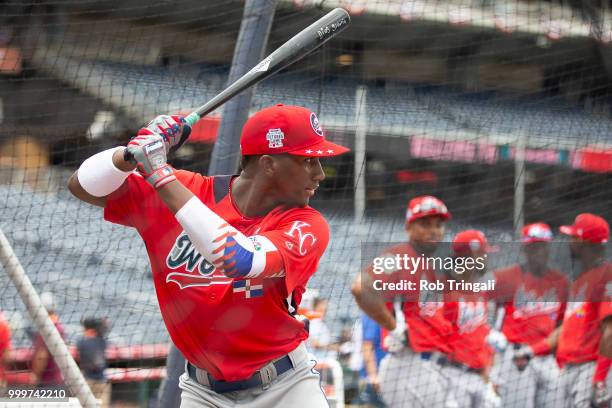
(173, 129)
(601, 397)
(149, 152)
(497, 340)
(396, 340)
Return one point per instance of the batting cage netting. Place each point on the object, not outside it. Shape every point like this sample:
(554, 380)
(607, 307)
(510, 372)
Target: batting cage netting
(500, 109)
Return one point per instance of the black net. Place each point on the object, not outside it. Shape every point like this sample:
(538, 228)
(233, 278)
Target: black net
(500, 109)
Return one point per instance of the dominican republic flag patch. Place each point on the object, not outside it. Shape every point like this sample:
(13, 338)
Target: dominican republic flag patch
(249, 288)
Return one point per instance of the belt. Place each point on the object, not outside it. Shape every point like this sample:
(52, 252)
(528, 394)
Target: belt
(426, 355)
(261, 378)
(444, 361)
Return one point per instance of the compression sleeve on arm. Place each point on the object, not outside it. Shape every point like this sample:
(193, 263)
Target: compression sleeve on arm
(229, 250)
(98, 175)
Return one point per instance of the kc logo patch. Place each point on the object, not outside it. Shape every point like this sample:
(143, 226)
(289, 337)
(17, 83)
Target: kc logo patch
(304, 239)
(275, 138)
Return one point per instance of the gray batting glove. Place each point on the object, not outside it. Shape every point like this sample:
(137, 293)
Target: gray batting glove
(149, 152)
(601, 396)
(173, 129)
(396, 340)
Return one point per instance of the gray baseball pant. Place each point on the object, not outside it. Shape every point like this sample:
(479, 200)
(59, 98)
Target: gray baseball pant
(297, 387)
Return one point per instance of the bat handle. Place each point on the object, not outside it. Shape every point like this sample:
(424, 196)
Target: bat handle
(192, 118)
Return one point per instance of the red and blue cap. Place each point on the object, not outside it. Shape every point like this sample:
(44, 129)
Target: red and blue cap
(588, 227)
(536, 232)
(286, 129)
(426, 206)
(468, 241)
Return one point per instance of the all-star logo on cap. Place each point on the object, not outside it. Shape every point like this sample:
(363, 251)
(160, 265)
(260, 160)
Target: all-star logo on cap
(314, 122)
(291, 130)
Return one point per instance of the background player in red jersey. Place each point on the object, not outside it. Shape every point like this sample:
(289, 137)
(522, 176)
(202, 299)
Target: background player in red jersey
(5, 351)
(231, 255)
(584, 349)
(583, 343)
(533, 297)
(414, 326)
(471, 356)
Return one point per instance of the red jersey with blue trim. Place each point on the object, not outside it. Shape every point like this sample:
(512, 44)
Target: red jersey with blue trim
(228, 327)
(590, 302)
(534, 304)
(468, 313)
(428, 330)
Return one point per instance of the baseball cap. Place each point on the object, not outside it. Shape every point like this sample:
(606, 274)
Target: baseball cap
(426, 206)
(536, 232)
(588, 227)
(465, 242)
(286, 129)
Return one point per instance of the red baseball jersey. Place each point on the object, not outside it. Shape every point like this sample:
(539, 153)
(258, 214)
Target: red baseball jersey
(534, 305)
(428, 330)
(590, 302)
(5, 343)
(468, 313)
(228, 327)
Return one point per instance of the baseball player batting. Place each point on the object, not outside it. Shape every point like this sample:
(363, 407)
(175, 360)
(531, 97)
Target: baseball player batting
(533, 297)
(416, 330)
(230, 255)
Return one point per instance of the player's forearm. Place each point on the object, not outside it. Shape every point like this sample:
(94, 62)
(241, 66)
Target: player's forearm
(175, 195)
(369, 359)
(39, 362)
(371, 302)
(229, 250)
(7, 357)
(605, 344)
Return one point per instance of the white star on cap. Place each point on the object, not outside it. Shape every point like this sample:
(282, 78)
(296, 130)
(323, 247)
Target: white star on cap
(319, 151)
(330, 151)
(308, 151)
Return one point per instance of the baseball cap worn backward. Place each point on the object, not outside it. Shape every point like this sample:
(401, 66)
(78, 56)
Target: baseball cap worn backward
(468, 241)
(588, 227)
(536, 232)
(426, 206)
(286, 129)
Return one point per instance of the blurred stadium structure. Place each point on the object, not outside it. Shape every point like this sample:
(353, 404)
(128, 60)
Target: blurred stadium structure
(500, 108)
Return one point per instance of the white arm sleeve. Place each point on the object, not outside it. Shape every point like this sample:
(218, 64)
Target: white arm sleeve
(229, 250)
(99, 176)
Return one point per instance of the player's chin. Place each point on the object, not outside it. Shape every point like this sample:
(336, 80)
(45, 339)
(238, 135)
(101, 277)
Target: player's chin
(304, 198)
(429, 247)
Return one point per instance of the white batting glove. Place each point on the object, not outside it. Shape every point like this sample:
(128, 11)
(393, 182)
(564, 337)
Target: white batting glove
(601, 397)
(497, 340)
(396, 340)
(173, 129)
(149, 152)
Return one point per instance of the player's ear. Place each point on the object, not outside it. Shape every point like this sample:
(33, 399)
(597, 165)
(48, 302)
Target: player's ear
(268, 165)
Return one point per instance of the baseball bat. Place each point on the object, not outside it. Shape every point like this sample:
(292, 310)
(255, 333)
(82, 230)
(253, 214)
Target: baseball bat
(302, 44)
